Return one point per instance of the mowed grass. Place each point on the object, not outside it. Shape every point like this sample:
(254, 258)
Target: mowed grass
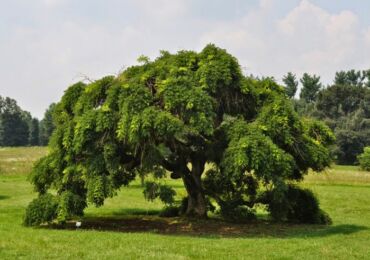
(126, 227)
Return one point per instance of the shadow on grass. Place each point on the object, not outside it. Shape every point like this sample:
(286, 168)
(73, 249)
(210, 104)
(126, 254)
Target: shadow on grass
(139, 186)
(136, 212)
(210, 228)
(4, 197)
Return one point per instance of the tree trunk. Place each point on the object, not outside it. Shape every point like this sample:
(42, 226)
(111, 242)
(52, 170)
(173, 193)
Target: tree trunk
(197, 206)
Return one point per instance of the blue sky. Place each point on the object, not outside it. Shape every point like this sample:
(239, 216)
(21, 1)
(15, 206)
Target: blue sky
(46, 45)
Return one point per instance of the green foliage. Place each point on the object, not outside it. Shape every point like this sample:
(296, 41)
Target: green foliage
(14, 123)
(175, 114)
(153, 190)
(364, 159)
(310, 87)
(234, 212)
(19, 128)
(345, 107)
(170, 212)
(349, 144)
(34, 132)
(352, 78)
(341, 100)
(70, 205)
(42, 175)
(47, 125)
(296, 205)
(291, 84)
(41, 210)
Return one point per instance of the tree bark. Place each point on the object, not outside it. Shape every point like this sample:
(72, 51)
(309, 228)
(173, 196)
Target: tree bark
(197, 206)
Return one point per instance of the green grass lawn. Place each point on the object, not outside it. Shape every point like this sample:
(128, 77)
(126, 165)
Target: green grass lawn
(125, 227)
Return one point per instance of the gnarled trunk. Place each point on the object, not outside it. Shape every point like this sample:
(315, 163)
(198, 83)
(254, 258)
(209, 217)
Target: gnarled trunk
(197, 206)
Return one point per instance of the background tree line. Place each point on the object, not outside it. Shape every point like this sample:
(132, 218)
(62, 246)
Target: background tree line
(19, 128)
(344, 106)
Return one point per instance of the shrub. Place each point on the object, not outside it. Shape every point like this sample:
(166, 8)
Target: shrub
(41, 210)
(233, 211)
(297, 205)
(242, 214)
(364, 159)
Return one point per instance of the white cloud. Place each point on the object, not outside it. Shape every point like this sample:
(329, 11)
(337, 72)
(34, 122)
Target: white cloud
(53, 3)
(367, 36)
(52, 56)
(307, 39)
(266, 3)
(161, 9)
(50, 61)
(48, 50)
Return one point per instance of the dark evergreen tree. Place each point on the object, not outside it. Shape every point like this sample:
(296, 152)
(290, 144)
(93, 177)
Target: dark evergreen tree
(345, 107)
(47, 125)
(34, 132)
(310, 87)
(353, 78)
(14, 129)
(291, 84)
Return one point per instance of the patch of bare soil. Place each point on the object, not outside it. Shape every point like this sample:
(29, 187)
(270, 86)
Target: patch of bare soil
(183, 226)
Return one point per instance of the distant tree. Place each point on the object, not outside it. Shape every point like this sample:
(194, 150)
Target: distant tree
(310, 87)
(340, 78)
(175, 115)
(349, 144)
(14, 128)
(345, 107)
(340, 100)
(366, 76)
(47, 125)
(352, 78)
(34, 132)
(291, 84)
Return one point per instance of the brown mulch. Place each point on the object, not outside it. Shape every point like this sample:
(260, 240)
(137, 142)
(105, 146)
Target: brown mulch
(182, 226)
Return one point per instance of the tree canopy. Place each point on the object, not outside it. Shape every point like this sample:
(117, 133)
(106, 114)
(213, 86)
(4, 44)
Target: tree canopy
(46, 125)
(291, 84)
(310, 87)
(364, 159)
(345, 107)
(176, 115)
(14, 123)
(19, 128)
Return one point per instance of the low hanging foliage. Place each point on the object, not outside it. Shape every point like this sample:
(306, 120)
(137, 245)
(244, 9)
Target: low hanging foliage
(294, 205)
(175, 115)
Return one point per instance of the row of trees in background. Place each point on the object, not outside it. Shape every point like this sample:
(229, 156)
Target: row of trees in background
(344, 106)
(19, 128)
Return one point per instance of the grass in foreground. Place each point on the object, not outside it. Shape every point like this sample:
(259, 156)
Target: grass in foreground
(125, 227)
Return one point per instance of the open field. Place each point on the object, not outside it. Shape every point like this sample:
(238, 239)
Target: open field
(126, 227)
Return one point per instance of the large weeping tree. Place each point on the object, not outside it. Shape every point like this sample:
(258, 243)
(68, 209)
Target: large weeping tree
(175, 116)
